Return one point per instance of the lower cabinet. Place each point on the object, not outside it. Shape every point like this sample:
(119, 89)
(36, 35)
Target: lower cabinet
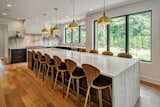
(18, 55)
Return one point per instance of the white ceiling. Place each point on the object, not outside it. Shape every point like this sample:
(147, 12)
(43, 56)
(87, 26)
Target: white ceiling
(35, 8)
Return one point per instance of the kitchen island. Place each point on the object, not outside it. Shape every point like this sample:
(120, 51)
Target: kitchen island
(125, 73)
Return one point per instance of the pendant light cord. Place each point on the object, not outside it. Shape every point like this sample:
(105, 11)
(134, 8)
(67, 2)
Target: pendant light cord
(73, 6)
(104, 7)
(56, 9)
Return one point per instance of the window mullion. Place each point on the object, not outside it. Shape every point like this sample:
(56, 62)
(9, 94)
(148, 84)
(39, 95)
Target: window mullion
(79, 34)
(71, 35)
(127, 35)
(108, 37)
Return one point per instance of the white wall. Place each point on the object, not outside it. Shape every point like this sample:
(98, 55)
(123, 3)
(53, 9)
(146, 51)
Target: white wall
(150, 71)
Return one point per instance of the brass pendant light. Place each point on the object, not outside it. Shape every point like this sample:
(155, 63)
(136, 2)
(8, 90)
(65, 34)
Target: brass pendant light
(73, 24)
(55, 28)
(104, 20)
(44, 30)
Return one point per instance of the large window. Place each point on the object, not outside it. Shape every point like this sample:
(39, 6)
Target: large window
(77, 36)
(82, 34)
(140, 35)
(101, 37)
(129, 33)
(117, 35)
(68, 35)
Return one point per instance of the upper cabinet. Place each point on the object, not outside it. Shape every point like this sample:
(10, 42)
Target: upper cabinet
(33, 26)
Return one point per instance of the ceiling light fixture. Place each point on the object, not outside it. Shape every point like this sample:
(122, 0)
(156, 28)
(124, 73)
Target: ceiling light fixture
(4, 14)
(9, 5)
(104, 20)
(55, 28)
(45, 30)
(73, 24)
(90, 9)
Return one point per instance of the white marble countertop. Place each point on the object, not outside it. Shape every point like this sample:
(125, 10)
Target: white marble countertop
(109, 65)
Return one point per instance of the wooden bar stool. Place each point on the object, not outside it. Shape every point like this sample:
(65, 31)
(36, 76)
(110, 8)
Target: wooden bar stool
(43, 64)
(82, 50)
(75, 73)
(124, 55)
(35, 58)
(93, 51)
(108, 53)
(50, 67)
(60, 68)
(96, 81)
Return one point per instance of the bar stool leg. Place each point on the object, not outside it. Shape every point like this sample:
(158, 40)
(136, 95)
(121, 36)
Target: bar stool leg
(100, 98)
(87, 95)
(56, 80)
(68, 87)
(47, 73)
(34, 66)
(77, 81)
(43, 71)
(39, 69)
(73, 84)
(62, 74)
(52, 76)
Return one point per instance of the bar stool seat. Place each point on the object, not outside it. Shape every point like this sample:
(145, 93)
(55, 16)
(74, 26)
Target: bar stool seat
(43, 60)
(101, 82)
(51, 62)
(78, 72)
(62, 66)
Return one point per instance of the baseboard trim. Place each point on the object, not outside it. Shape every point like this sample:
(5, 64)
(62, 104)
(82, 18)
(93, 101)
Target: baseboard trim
(147, 79)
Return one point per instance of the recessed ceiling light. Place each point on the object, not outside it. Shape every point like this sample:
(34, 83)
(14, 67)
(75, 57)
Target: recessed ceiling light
(20, 18)
(90, 9)
(4, 14)
(66, 16)
(9, 5)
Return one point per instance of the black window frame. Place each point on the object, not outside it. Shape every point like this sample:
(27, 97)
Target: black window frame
(126, 31)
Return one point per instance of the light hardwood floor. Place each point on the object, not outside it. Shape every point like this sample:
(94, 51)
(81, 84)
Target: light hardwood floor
(20, 88)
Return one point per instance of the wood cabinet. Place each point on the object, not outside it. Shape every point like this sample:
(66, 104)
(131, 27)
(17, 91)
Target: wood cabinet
(17, 55)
